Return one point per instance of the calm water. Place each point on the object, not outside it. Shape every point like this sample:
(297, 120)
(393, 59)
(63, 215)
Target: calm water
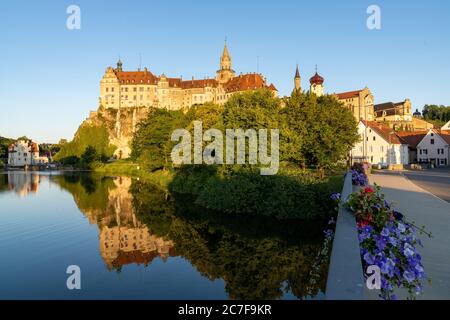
(133, 241)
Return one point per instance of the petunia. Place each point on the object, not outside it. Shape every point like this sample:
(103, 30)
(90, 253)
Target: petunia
(409, 276)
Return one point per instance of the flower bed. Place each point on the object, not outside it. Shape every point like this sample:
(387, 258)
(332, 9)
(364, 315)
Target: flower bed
(387, 240)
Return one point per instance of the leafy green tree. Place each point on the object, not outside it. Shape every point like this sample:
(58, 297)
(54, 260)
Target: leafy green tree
(151, 144)
(89, 156)
(439, 115)
(331, 132)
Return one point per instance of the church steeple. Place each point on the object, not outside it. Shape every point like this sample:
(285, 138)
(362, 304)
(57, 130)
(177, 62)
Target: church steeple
(225, 73)
(297, 80)
(225, 59)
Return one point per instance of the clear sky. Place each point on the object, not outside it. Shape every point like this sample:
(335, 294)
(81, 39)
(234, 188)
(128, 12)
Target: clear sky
(49, 75)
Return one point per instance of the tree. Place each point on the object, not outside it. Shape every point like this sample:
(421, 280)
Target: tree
(89, 156)
(151, 144)
(331, 132)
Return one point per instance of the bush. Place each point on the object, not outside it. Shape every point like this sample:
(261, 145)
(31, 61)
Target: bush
(247, 192)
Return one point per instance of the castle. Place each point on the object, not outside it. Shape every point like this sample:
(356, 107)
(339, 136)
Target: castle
(130, 89)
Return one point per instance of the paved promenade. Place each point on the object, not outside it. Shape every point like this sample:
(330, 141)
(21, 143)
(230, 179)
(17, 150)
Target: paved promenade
(426, 210)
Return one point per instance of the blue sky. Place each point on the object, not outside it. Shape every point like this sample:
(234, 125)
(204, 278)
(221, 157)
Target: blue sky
(50, 75)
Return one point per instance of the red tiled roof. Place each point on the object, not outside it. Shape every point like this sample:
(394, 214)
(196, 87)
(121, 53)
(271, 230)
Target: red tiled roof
(412, 138)
(136, 77)
(385, 131)
(316, 79)
(348, 95)
(248, 81)
(190, 84)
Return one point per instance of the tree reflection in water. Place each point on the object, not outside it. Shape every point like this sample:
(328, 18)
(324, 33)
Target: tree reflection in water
(257, 257)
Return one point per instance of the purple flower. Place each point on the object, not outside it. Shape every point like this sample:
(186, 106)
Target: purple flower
(408, 251)
(369, 258)
(385, 232)
(409, 276)
(381, 242)
(335, 196)
(397, 215)
(329, 234)
(388, 267)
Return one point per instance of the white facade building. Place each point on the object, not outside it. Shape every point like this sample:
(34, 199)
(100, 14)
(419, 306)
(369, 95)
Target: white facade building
(379, 145)
(25, 153)
(434, 148)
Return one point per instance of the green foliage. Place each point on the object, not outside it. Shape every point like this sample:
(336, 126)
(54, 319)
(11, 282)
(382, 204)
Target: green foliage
(89, 156)
(247, 193)
(4, 143)
(331, 132)
(89, 192)
(87, 135)
(436, 114)
(257, 257)
(151, 144)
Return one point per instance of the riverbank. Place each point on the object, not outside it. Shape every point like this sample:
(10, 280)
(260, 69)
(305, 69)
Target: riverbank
(162, 178)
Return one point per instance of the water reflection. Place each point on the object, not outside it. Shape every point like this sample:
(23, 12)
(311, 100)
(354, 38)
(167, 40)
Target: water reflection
(257, 258)
(22, 183)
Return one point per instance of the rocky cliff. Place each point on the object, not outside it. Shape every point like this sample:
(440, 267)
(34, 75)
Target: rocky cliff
(120, 124)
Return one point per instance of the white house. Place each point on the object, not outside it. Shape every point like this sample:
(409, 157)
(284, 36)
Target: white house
(434, 148)
(446, 127)
(379, 145)
(22, 153)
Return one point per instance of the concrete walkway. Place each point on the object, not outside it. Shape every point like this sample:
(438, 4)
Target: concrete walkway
(427, 210)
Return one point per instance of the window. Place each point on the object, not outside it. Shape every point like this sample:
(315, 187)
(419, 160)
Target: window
(112, 89)
(432, 141)
(382, 150)
(371, 148)
(107, 89)
(373, 138)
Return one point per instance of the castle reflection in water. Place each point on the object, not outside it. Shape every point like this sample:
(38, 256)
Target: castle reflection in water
(123, 238)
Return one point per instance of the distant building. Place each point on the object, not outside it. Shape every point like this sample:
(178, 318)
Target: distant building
(25, 153)
(412, 138)
(360, 102)
(390, 111)
(399, 116)
(379, 145)
(417, 114)
(316, 84)
(122, 89)
(434, 148)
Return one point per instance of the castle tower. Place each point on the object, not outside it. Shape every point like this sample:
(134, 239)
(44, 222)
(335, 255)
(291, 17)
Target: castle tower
(119, 66)
(297, 80)
(225, 73)
(316, 82)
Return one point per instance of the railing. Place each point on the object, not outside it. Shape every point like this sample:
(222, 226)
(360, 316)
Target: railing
(345, 275)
